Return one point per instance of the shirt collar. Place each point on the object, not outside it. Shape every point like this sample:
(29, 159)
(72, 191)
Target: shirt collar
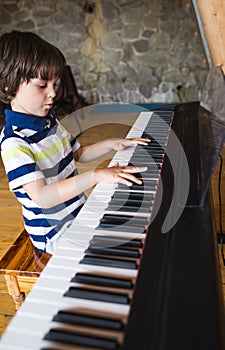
(28, 121)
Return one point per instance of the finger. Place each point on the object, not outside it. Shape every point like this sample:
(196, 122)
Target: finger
(131, 178)
(134, 169)
(145, 141)
(141, 140)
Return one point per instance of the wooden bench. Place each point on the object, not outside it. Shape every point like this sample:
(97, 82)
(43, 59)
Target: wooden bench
(21, 265)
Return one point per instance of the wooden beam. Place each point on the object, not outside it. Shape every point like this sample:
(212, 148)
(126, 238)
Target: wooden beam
(212, 13)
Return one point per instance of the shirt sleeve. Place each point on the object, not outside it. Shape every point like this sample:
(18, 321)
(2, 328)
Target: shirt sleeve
(74, 143)
(19, 163)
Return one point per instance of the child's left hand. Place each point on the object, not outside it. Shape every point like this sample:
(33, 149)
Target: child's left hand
(121, 144)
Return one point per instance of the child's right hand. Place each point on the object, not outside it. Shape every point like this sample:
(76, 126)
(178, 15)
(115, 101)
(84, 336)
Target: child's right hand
(119, 174)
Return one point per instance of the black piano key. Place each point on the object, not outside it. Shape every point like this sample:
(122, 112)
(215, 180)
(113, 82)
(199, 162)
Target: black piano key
(117, 263)
(121, 202)
(148, 183)
(128, 208)
(97, 295)
(105, 281)
(86, 320)
(141, 158)
(155, 149)
(122, 228)
(74, 338)
(154, 146)
(145, 186)
(156, 161)
(107, 241)
(151, 172)
(128, 253)
(156, 158)
(129, 202)
(133, 196)
(123, 223)
(158, 129)
(123, 219)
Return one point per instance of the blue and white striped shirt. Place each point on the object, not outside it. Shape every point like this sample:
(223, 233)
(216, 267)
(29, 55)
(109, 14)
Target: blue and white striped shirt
(33, 148)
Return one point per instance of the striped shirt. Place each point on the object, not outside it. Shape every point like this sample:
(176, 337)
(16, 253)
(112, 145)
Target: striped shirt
(35, 148)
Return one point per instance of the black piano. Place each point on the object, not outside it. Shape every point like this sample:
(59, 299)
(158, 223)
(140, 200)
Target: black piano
(176, 300)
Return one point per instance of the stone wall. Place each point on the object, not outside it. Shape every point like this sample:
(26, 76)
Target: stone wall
(120, 50)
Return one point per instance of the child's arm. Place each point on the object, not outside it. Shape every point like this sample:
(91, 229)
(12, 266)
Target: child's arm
(49, 195)
(91, 152)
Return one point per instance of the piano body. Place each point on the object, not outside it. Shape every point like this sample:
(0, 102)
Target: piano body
(138, 268)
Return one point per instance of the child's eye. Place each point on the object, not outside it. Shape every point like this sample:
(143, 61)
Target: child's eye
(42, 86)
(56, 85)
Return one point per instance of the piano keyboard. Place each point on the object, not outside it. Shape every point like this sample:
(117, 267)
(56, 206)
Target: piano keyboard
(83, 297)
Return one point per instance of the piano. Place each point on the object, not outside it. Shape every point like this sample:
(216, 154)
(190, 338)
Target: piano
(138, 268)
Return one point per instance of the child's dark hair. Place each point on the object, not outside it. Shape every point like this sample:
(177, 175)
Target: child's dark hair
(23, 56)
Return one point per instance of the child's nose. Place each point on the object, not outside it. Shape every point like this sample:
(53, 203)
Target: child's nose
(52, 92)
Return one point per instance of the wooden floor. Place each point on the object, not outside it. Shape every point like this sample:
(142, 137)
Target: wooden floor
(11, 221)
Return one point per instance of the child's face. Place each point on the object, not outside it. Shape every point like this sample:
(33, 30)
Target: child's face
(35, 97)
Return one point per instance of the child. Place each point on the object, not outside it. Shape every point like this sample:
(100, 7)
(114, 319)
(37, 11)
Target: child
(38, 153)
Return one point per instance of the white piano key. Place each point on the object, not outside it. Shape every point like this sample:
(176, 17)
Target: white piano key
(19, 340)
(87, 269)
(13, 339)
(72, 232)
(47, 311)
(137, 213)
(78, 236)
(62, 273)
(34, 330)
(38, 326)
(65, 269)
(56, 285)
(56, 300)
